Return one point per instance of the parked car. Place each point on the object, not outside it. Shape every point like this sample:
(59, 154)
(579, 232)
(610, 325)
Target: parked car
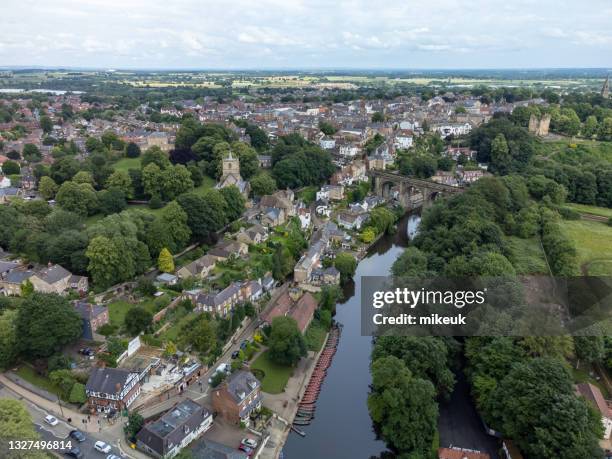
(51, 420)
(102, 447)
(75, 452)
(112, 456)
(235, 354)
(243, 345)
(87, 351)
(78, 436)
(245, 449)
(223, 368)
(249, 442)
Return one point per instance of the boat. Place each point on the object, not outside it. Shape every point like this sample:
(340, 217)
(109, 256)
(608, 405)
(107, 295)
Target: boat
(301, 433)
(301, 423)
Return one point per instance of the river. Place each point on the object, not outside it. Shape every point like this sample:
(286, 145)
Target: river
(342, 427)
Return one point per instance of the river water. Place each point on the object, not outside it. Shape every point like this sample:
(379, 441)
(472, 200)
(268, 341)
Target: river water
(342, 427)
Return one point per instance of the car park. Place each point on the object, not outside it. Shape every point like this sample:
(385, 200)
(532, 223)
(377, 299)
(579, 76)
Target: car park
(51, 420)
(102, 447)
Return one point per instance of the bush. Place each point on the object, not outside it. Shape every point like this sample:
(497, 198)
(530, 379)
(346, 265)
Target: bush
(610, 221)
(58, 362)
(107, 329)
(77, 394)
(569, 214)
(156, 203)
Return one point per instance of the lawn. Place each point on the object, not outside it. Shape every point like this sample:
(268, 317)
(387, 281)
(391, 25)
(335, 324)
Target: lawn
(127, 163)
(26, 372)
(119, 309)
(315, 336)
(207, 184)
(593, 243)
(172, 332)
(275, 375)
(527, 256)
(581, 375)
(582, 208)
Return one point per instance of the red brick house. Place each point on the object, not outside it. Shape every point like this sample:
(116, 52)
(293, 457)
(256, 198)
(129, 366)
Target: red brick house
(237, 397)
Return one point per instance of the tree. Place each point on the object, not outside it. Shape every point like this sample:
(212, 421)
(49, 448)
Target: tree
(10, 168)
(591, 126)
(327, 128)
(368, 234)
(205, 213)
(104, 261)
(282, 262)
(263, 184)
(16, 424)
(286, 342)
(83, 177)
(346, 264)
(152, 180)
(46, 124)
(403, 407)
(235, 202)
(132, 150)
(501, 159)
(155, 155)
(120, 180)
(165, 262)
(176, 180)
(31, 153)
(590, 349)
(426, 357)
(259, 137)
(75, 197)
(134, 425)
(544, 385)
(138, 320)
(198, 333)
(47, 187)
(378, 117)
(9, 348)
(45, 323)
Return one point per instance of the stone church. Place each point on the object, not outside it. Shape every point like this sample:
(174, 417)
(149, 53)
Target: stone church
(231, 175)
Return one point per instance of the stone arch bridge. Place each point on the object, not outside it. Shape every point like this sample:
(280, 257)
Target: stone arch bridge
(411, 192)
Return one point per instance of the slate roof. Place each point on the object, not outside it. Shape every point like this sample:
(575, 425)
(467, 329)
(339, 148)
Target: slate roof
(18, 276)
(88, 311)
(53, 274)
(241, 382)
(182, 419)
(107, 380)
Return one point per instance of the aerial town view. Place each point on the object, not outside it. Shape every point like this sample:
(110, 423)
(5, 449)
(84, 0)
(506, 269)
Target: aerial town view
(199, 199)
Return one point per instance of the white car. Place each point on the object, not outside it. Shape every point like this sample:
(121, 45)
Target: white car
(51, 420)
(112, 456)
(102, 447)
(249, 442)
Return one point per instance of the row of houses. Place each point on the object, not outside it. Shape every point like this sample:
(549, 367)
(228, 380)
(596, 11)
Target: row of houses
(52, 278)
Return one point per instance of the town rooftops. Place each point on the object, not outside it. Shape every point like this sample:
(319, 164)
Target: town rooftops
(88, 310)
(53, 274)
(107, 380)
(241, 384)
(173, 427)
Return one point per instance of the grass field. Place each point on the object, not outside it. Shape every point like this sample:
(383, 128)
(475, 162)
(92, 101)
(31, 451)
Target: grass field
(26, 372)
(527, 256)
(207, 184)
(315, 336)
(582, 208)
(594, 245)
(276, 376)
(127, 163)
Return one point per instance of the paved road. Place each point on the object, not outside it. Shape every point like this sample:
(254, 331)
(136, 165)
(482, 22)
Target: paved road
(86, 447)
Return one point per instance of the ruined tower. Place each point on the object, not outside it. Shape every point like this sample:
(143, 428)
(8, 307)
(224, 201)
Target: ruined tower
(605, 89)
(539, 126)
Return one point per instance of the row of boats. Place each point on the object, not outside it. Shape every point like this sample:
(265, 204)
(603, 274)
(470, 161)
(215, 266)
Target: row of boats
(306, 407)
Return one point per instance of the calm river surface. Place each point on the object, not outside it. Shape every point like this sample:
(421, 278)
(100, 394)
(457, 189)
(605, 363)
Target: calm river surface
(342, 427)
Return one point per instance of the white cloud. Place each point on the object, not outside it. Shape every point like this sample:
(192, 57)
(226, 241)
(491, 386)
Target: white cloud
(306, 33)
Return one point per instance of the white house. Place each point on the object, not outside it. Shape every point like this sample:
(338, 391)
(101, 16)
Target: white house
(327, 143)
(349, 151)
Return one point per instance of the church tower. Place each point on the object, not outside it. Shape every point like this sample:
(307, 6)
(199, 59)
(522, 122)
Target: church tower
(605, 90)
(231, 166)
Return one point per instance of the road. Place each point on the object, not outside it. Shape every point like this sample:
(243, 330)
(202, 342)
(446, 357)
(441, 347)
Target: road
(62, 429)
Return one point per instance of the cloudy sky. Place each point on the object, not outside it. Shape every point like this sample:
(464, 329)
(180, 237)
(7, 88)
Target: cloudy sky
(306, 33)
